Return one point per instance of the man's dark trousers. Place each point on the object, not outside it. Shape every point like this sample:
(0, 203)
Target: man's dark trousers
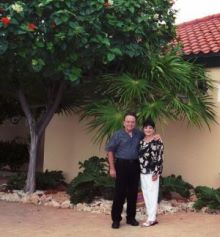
(126, 186)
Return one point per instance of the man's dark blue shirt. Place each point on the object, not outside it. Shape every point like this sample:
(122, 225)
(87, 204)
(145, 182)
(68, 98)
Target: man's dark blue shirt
(123, 145)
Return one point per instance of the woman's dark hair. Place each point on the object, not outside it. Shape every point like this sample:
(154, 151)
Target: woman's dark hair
(149, 122)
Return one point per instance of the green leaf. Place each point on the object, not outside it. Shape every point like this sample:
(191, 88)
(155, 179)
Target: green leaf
(24, 27)
(21, 32)
(131, 9)
(37, 64)
(44, 3)
(102, 40)
(60, 36)
(116, 51)
(50, 46)
(73, 74)
(40, 44)
(65, 18)
(72, 24)
(110, 57)
(58, 21)
(3, 46)
(14, 21)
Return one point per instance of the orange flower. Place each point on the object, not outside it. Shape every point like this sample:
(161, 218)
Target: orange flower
(31, 26)
(5, 20)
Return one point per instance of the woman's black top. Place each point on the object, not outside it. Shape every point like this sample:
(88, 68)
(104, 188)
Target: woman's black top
(151, 157)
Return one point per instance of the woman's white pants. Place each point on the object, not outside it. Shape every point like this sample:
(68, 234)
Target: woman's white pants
(150, 191)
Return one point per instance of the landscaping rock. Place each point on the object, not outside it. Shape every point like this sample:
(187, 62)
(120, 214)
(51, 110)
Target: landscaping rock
(62, 200)
(66, 204)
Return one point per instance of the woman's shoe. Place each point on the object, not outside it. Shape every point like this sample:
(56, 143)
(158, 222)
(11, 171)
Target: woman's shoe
(149, 223)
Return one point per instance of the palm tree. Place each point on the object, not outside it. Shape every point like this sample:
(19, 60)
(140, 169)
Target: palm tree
(162, 86)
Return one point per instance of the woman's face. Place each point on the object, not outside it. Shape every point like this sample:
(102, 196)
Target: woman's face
(149, 130)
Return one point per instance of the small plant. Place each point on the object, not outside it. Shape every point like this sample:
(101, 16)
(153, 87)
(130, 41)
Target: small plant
(91, 182)
(49, 179)
(207, 197)
(173, 184)
(16, 181)
(44, 181)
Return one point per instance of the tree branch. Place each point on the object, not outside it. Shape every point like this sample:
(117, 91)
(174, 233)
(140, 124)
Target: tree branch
(44, 121)
(25, 107)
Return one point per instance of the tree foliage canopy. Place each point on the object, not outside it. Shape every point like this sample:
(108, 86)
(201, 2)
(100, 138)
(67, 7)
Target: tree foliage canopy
(53, 36)
(43, 40)
(50, 46)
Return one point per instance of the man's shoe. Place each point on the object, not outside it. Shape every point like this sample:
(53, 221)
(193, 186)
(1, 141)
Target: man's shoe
(115, 225)
(133, 222)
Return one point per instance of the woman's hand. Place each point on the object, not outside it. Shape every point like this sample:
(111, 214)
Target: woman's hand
(157, 137)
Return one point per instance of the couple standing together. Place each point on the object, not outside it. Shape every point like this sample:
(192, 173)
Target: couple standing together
(134, 155)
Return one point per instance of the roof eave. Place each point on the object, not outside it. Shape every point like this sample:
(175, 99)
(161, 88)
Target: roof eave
(208, 60)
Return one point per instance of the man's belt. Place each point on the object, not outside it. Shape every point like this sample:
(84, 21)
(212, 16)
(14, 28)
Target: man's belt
(131, 161)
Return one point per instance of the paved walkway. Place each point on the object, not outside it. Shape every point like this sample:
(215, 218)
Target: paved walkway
(26, 220)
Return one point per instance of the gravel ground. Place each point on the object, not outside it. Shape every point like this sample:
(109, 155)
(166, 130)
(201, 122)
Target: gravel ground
(27, 220)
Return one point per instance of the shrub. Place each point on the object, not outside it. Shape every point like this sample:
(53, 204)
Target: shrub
(49, 179)
(207, 197)
(173, 184)
(92, 181)
(46, 180)
(17, 181)
(13, 154)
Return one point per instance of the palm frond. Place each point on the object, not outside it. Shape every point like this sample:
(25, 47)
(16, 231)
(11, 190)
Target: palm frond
(155, 110)
(105, 119)
(127, 87)
(160, 86)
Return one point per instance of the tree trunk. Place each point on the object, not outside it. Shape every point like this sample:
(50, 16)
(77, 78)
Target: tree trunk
(31, 175)
(40, 154)
(37, 129)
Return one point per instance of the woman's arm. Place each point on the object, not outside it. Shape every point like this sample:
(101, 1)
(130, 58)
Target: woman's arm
(159, 159)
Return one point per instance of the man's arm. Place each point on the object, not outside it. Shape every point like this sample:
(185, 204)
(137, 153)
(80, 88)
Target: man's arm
(111, 161)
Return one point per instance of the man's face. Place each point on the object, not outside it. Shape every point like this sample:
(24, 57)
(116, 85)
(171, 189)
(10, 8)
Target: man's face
(129, 123)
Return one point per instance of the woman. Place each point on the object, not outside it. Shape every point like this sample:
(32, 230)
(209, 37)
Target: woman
(151, 165)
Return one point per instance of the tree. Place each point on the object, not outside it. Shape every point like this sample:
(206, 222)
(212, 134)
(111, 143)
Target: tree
(49, 47)
(160, 85)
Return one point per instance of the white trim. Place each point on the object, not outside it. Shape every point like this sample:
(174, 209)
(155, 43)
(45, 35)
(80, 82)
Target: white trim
(218, 92)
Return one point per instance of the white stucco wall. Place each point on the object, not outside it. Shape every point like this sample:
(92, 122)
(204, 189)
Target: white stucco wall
(191, 152)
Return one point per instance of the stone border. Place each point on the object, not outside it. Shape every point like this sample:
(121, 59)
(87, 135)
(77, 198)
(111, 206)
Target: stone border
(61, 200)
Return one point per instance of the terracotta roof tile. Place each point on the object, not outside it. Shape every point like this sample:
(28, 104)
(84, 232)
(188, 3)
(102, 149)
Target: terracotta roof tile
(200, 35)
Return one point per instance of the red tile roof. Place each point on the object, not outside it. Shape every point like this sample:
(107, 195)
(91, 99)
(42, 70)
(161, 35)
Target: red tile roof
(200, 36)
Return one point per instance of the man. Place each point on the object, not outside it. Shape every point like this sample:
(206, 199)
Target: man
(122, 151)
